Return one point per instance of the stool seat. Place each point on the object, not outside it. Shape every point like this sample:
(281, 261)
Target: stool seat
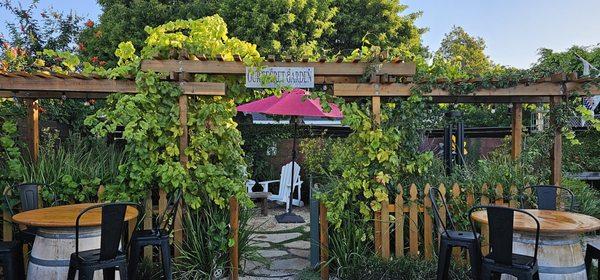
(592, 252)
(461, 235)
(11, 259)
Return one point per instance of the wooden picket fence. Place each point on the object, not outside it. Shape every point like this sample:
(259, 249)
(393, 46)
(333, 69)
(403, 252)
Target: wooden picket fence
(417, 209)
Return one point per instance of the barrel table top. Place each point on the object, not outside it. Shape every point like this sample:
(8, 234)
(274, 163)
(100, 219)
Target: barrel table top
(65, 216)
(551, 221)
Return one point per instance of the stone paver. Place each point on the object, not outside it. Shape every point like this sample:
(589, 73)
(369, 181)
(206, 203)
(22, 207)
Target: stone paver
(298, 244)
(290, 264)
(300, 253)
(276, 238)
(261, 244)
(272, 253)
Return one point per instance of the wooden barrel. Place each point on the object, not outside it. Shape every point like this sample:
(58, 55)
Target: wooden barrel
(52, 251)
(559, 256)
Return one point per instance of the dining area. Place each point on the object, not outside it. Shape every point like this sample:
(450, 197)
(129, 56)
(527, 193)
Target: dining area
(544, 238)
(54, 240)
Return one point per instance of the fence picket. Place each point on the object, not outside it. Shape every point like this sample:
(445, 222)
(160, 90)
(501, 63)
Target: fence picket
(148, 224)
(427, 224)
(414, 222)
(499, 195)
(442, 208)
(377, 220)
(399, 225)
(514, 203)
(385, 230)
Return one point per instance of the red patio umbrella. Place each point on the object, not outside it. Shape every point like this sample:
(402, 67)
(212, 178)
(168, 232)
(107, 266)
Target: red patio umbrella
(295, 104)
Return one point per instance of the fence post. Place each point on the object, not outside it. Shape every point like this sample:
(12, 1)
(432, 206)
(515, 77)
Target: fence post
(427, 224)
(377, 241)
(456, 197)
(148, 223)
(234, 222)
(399, 223)
(414, 222)
(442, 210)
(324, 237)
(485, 246)
(385, 230)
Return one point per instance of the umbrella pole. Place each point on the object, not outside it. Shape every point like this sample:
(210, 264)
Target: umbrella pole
(290, 217)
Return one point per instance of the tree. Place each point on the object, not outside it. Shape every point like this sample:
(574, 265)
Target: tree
(37, 30)
(464, 52)
(551, 62)
(287, 27)
(378, 22)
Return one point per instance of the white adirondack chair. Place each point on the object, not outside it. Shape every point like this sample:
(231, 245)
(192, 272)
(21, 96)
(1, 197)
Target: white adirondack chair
(285, 186)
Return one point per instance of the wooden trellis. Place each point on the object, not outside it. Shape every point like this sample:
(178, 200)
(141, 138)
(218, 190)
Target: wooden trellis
(388, 79)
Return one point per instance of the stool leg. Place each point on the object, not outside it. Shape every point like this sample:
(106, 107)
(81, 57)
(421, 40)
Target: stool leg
(109, 273)
(443, 260)
(72, 270)
(86, 273)
(8, 264)
(165, 250)
(123, 271)
(588, 261)
(475, 259)
(134, 259)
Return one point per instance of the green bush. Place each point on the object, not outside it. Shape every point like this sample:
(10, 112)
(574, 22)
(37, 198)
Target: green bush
(587, 199)
(205, 250)
(404, 268)
(75, 167)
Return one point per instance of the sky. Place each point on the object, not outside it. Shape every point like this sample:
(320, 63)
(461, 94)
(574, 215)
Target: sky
(513, 29)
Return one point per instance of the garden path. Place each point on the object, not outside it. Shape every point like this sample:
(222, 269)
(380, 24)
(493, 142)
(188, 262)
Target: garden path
(284, 247)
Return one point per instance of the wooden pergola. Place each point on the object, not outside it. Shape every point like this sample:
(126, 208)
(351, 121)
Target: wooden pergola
(390, 79)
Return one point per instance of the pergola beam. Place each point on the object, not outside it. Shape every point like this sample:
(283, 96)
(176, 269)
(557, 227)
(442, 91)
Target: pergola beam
(239, 68)
(37, 87)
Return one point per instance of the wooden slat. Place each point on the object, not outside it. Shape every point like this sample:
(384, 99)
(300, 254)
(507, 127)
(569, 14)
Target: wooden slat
(37, 84)
(33, 128)
(517, 130)
(385, 231)
(399, 225)
(499, 195)
(234, 223)
(485, 244)
(324, 240)
(442, 189)
(427, 224)
(239, 68)
(414, 222)
(363, 89)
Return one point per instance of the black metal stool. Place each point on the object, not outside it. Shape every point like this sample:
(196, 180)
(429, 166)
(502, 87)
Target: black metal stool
(547, 195)
(451, 238)
(108, 257)
(501, 259)
(158, 236)
(11, 257)
(592, 252)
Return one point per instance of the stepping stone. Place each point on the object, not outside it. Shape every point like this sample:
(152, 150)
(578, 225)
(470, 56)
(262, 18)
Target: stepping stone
(260, 244)
(289, 264)
(300, 253)
(272, 253)
(298, 244)
(270, 273)
(251, 265)
(277, 238)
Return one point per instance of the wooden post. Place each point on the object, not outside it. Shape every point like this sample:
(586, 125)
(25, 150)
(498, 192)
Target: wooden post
(556, 151)
(183, 158)
(377, 237)
(385, 231)
(413, 242)
(324, 237)
(427, 224)
(517, 130)
(33, 128)
(148, 224)
(234, 221)
(399, 224)
(376, 104)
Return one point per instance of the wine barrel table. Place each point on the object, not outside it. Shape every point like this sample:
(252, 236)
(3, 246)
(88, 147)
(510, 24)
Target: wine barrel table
(560, 252)
(55, 238)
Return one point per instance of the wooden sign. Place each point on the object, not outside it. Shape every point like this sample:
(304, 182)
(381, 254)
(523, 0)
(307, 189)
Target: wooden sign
(273, 77)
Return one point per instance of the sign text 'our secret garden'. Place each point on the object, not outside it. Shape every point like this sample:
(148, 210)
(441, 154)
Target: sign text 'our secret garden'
(272, 77)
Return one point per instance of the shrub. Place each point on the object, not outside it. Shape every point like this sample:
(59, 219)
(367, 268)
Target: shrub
(587, 199)
(205, 250)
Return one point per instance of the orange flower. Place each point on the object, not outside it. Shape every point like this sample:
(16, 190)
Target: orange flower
(89, 23)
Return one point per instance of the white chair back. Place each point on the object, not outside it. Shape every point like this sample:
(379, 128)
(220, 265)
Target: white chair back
(286, 178)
